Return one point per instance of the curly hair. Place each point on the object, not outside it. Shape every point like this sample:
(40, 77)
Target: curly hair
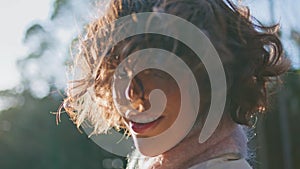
(251, 54)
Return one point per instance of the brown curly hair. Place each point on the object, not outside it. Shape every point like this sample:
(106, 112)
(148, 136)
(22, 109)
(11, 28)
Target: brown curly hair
(251, 54)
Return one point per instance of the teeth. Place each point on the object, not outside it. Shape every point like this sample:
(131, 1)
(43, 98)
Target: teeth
(141, 117)
(145, 120)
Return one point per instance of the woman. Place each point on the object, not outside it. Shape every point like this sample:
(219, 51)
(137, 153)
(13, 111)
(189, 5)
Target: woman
(252, 58)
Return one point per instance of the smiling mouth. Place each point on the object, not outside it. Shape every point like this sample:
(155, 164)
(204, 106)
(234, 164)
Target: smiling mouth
(143, 127)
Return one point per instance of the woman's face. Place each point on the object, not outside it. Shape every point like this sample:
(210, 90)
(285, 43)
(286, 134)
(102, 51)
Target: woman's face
(138, 94)
(159, 104)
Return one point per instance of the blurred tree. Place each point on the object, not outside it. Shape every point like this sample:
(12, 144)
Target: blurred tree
(277, 144)
(29, 136)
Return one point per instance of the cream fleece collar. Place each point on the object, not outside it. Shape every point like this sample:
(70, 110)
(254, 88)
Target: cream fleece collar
(228, 139)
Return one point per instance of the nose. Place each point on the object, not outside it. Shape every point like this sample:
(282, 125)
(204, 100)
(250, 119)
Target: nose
(135, 90)
(136, 94)
(158, 102)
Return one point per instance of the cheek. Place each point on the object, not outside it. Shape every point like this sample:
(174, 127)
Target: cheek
(173, 93)
(173, 102)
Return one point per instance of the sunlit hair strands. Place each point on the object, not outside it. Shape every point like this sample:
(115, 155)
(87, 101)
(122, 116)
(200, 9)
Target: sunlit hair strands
(251, 53)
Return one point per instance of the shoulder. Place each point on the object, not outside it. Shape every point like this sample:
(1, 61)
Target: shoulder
(223, 163)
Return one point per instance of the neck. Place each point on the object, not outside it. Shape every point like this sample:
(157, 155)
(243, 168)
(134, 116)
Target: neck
(228, 138)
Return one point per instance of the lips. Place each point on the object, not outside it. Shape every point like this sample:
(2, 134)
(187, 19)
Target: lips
(143, 127)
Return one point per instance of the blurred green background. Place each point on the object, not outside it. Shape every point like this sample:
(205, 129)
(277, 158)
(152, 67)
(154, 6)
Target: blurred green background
(30, 138)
